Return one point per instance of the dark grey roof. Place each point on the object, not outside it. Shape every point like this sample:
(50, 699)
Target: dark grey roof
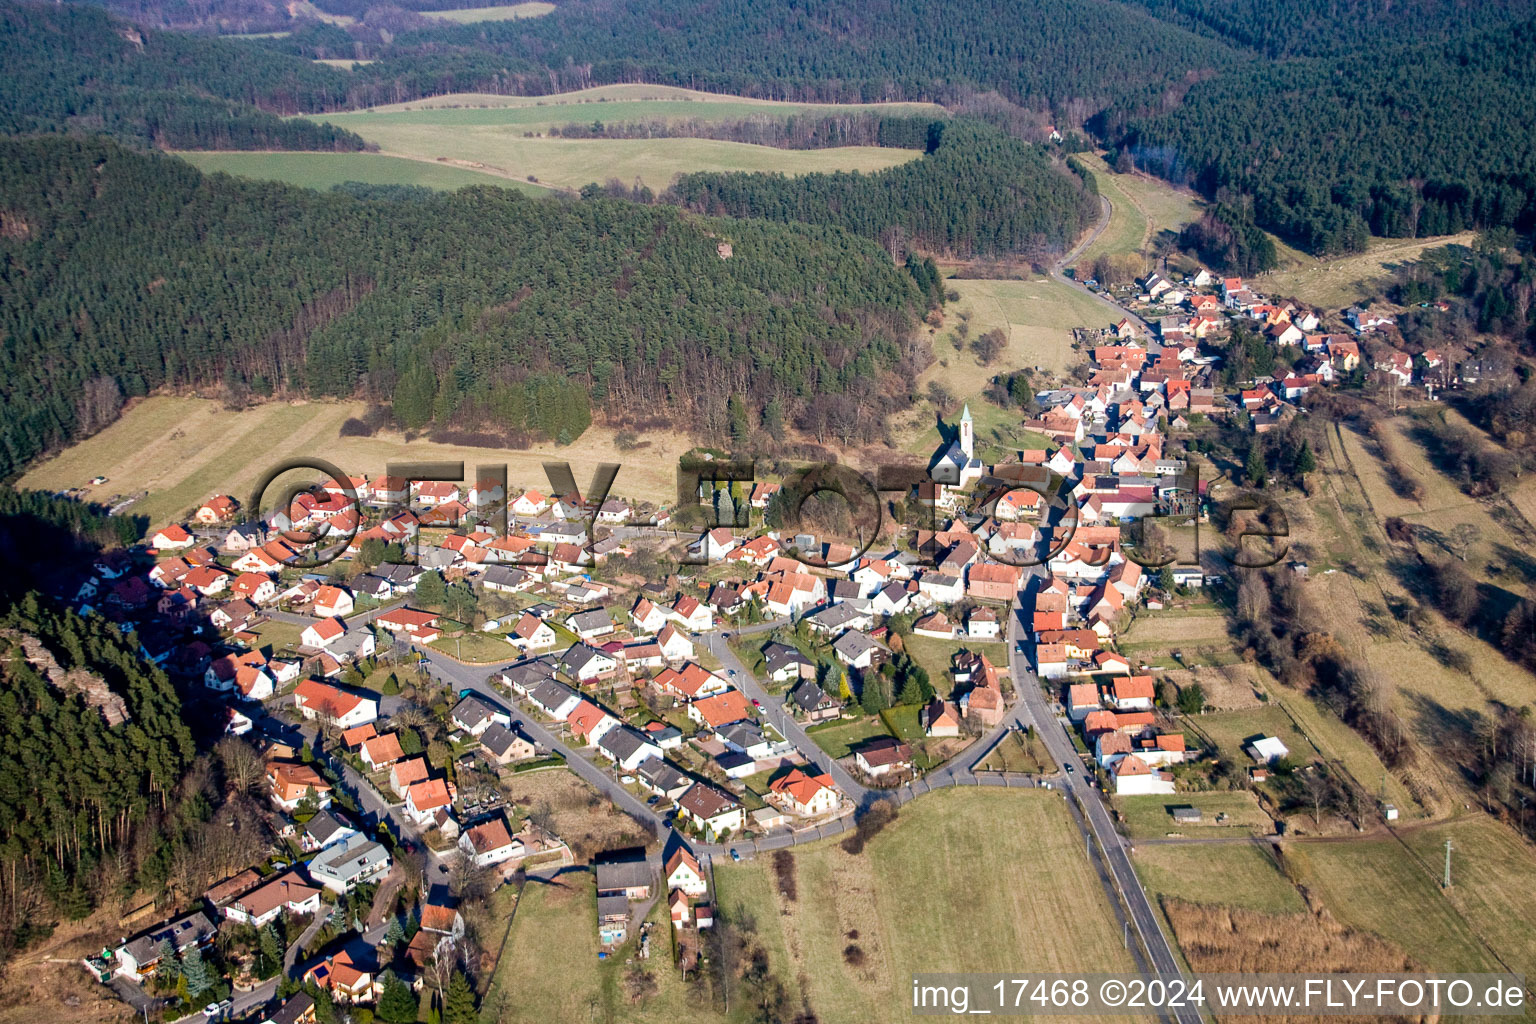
(622, 742)
(293, 1010)
(577, 656)
(323, 827)
(551, 694)
(498, 739)
(612, 907)
(371, 583)
(777, 656)
(742, 734)
(402, 575)
(503, 576)
(809, 696)
(843, 590)
(623, 874)
(733, 759)
(182, 932)
(594, 618)
(527, 674)
(472, 710)
(837, 616)
(661, 774)
(853, 644)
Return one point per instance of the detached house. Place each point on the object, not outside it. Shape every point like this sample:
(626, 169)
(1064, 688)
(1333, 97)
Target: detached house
(804, 794)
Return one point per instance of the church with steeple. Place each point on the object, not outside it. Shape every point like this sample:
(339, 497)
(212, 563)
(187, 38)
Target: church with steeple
(956, 464)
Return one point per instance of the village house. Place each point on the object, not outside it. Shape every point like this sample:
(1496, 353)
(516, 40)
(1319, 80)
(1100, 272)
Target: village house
(355, 860)
(883, 755)
(286, 893)
(939, 718)
(139, 957)
(380, 752)
(489, 843)
(318, 700)
(501, 745)
(711, 810)
(292, 782)
(682, 873)
(803, 793)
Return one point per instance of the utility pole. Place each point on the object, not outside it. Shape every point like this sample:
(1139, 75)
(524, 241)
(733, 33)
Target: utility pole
(1446, 883)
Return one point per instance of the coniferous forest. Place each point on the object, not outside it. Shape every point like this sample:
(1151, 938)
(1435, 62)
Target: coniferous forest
(979, 192)
(122, 272)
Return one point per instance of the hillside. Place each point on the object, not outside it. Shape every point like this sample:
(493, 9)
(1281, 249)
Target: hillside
(979, 192)
(1315, 28)
(76, 68)
(121, 273)
(1423, 140)
(1080, 54)
(95, 749)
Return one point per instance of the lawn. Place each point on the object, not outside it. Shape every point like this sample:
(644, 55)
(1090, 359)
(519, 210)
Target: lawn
(839, 738)
(935, 655)
(506, 12)
(909, 906)
(322, 170)
(477, 648)
(1141, 207)
(1491, 870)
(1230, 730)
(181, 450)
(498, 141)
(1151, 817)
(1014, 753)
(1228, 874)
(1037, 315)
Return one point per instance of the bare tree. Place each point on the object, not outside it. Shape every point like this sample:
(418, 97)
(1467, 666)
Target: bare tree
(242, 765)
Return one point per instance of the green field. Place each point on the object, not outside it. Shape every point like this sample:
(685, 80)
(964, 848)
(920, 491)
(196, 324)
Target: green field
(1225, 874)
(549, 970)
(1141, 208)
(1229, 730)
(938, 890)
(1037, 315)
(507, 12)
(572, 163)
(1341, 281)
(322, 170)
(613, 104)
(1491, 869)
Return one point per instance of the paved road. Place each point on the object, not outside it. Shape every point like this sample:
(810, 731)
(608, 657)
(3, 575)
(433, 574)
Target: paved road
(1058, 270)
(1030, 708)
(772, 711)
(352, 621)
(1053, 732)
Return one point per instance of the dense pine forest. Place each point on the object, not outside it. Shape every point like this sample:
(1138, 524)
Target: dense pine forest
(1421, 140)
(96, 750)
(121, 273)
(979, 193)
(1065, 54)
(76, 68)
(1293, 28)
(1327, 122)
